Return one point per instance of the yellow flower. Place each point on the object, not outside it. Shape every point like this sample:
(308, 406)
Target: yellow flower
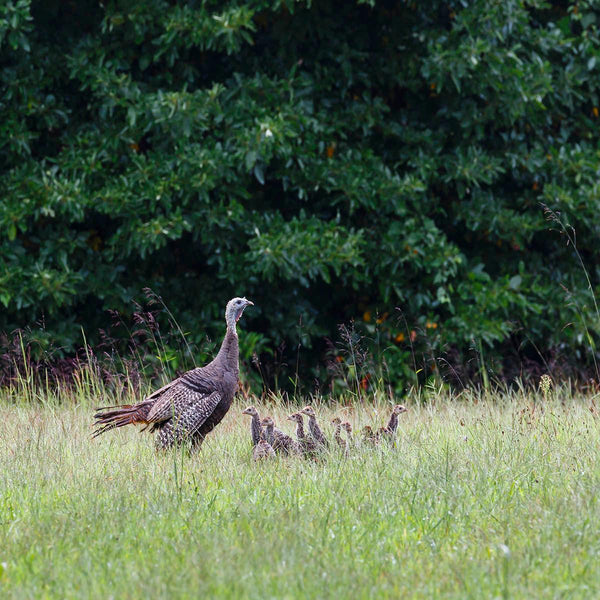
(367, 316)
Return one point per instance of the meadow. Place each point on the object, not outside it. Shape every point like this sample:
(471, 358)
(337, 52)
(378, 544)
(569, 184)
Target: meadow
(485, 495)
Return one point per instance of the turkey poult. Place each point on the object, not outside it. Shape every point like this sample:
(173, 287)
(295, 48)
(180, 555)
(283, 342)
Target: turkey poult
(255, 426)
(348, 429)
(186, 409)
(368, 436)
(382, 434)
(280, 442)
(393, 422)
(307, 445)
(337, 436)
(263, 450)
(313, 426)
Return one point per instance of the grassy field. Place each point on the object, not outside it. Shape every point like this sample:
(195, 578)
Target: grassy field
(479, 499)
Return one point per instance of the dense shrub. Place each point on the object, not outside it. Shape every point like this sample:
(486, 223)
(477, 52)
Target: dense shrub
(332, 161)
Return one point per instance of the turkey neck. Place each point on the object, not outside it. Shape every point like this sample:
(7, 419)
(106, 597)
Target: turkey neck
(314, 427)
(256, 429)
(269, 434)
(229, 352)
(392, 423)
(299, 430)
(338, 435)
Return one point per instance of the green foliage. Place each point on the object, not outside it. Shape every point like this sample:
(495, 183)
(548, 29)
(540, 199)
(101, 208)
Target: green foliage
(327, 161)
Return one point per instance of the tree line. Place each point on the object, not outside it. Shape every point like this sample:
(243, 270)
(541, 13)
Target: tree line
(424, 174)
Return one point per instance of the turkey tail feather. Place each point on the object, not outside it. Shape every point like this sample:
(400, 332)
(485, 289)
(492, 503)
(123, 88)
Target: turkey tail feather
(123, 415)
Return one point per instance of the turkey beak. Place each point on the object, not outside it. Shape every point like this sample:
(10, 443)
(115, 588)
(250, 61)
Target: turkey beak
(241, 310)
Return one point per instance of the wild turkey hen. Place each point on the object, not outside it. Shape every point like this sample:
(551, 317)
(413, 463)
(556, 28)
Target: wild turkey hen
(189, 407)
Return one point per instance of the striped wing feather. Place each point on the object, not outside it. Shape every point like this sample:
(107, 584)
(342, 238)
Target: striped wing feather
(172, 403)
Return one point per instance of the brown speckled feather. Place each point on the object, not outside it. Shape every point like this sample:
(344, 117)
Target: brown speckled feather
(187, 421)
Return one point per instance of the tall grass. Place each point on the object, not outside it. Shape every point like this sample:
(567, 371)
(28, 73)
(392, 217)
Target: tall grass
(486, 495)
